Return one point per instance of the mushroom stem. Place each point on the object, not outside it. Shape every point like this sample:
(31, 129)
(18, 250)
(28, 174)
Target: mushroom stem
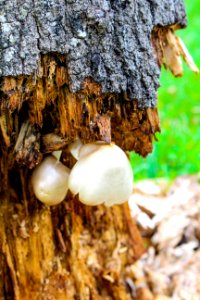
(75, 147)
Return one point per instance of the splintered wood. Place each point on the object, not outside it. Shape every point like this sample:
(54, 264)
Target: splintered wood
(170, 49)
(69, 251)
(49, 106)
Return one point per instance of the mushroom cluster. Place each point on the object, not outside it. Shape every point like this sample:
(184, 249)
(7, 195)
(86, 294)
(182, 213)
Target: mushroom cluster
(101, 175)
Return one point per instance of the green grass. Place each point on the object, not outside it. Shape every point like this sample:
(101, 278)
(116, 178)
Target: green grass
(178, 150)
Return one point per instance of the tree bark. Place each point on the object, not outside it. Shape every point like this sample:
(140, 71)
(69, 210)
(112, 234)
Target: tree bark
(68, 69)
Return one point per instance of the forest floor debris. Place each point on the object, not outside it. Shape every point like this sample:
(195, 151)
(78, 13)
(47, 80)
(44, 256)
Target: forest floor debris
(168, 216)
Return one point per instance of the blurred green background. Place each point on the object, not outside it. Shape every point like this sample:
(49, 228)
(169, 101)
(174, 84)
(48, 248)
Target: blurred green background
(178, 150)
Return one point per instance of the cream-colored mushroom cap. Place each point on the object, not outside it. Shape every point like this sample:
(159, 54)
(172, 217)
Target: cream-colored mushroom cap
(101, 175)
(50, 181)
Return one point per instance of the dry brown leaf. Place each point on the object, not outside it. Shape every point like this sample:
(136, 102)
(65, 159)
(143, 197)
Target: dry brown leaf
(170, 269)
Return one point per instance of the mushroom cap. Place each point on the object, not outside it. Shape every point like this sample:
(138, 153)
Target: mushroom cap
(90, 148)
(101, 175)
(50, 181)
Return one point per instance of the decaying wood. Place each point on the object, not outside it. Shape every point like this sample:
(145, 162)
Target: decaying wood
(71, 249)
(71, 69)
(170, 49)
(90, 114)
(48, 254)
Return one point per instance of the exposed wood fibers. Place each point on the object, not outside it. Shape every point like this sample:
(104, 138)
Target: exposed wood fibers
(97, 247)
(69, 251)
(51, 108)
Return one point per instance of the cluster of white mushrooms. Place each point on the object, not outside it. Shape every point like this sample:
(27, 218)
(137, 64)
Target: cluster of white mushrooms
(102, 174)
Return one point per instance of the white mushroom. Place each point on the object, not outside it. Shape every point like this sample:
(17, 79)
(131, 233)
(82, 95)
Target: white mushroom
(50, 181)
(101, 175)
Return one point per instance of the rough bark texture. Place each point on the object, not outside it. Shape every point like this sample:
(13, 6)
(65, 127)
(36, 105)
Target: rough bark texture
(73, 68)
(106, 40)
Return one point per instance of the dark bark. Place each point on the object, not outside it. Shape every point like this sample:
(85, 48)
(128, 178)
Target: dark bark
(106, 40)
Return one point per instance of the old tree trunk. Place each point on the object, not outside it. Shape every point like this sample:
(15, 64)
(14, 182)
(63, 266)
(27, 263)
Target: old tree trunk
(74, 68)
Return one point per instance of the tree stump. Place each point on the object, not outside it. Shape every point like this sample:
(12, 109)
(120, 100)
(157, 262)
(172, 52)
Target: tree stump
(74, 68)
